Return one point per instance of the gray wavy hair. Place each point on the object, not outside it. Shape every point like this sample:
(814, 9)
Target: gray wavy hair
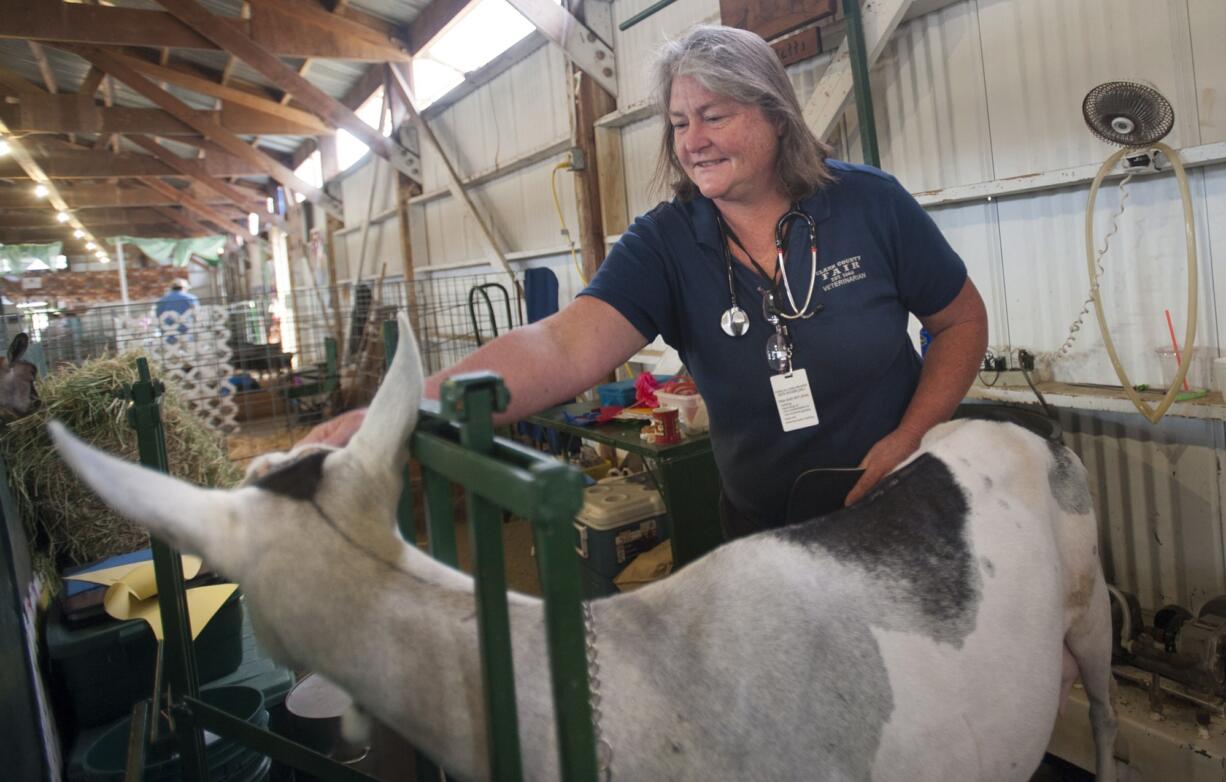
(741, 66)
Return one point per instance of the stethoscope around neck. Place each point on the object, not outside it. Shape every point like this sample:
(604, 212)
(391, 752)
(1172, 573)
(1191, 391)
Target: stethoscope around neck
(735, 321)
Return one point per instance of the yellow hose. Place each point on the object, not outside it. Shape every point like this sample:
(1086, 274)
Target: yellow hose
(1153, 415)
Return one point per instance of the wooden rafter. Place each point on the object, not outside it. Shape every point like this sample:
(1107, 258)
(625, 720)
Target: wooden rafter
(99, 25)
(187, 221)
(338, 9)
(44, 67)
(453, 180)
(13, 83)
(65, 163)
(98, 231)
(261, 59)
(91, 82)
(584, 48)
(230, 142)
(210, 85)
(40, 113)
(79, 197)
(204, 210)
(45, 218)
(195, 171)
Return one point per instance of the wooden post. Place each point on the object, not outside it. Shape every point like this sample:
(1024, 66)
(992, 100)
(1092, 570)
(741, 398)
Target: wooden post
(330, 166)
(590, 104)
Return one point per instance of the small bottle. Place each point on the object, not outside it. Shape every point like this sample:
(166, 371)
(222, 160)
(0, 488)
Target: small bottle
(925, 339)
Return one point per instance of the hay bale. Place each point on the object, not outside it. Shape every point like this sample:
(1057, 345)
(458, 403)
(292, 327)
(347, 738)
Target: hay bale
(66, 523)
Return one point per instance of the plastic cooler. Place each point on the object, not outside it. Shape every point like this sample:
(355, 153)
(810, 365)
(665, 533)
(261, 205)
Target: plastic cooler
(620, 519)
(108, 666)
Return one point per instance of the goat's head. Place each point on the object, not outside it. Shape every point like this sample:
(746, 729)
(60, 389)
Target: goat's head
(17, 394)
(354, 488)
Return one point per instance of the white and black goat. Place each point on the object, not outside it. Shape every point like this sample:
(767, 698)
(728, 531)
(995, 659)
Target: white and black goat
(915, 636)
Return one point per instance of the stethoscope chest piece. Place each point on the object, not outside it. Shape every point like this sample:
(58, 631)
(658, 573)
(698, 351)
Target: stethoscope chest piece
(734, 321)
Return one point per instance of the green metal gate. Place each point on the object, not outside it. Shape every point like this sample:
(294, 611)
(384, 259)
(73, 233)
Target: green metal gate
(455, 445)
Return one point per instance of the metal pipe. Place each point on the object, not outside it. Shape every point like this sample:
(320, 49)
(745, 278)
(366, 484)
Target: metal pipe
(646, 12)
(859, 78)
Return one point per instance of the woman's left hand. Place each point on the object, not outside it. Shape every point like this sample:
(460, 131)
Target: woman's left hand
(887, 454)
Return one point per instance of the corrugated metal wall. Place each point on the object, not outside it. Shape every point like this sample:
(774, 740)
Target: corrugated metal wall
(980, 90)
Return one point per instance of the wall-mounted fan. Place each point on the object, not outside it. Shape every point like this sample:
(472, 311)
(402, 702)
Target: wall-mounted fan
(1136, 117)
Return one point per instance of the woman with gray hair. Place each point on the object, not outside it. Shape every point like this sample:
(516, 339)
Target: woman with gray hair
(783, 278)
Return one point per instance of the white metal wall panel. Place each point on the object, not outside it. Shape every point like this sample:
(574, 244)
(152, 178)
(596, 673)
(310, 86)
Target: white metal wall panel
(1158, 497)
(971, 231)
(931, 106)
(1042, 56)
(640, 150)
(636, 48)
(1144, 273)
(1210, 190)
(1207, 22)
(519, 207)
(517, 112)
(383, 242)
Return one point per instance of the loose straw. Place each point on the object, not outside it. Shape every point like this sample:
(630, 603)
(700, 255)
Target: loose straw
(1175, 344)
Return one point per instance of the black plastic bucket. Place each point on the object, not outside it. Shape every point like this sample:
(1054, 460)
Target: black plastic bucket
(226, 759)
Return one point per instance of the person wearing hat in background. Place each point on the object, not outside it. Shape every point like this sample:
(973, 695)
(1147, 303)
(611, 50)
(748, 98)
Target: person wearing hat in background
(178, 301)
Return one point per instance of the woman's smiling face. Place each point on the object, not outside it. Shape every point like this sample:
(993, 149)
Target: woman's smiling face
(726, 148)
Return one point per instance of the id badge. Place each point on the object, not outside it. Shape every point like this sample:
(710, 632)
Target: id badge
(794, 400)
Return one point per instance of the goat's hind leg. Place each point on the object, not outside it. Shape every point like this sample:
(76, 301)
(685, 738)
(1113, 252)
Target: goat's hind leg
(1090, 640)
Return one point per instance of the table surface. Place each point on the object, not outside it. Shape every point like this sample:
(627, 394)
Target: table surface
(620, 434)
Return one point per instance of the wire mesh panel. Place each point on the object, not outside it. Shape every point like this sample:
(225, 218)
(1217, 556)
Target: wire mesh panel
(262, 370)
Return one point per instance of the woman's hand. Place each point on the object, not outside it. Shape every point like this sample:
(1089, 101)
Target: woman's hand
(336, 431)
(887, 454)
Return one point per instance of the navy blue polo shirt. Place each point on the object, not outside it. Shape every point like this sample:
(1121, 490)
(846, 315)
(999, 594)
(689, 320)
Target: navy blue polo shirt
(880, 257)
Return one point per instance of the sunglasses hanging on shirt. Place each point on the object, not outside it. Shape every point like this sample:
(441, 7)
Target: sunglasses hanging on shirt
(735, 321)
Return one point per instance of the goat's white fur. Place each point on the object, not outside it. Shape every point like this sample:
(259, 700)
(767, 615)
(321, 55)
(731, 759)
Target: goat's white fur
(718, 672)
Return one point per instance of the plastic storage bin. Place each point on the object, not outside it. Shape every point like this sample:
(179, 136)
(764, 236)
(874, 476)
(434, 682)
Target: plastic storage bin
(621, 393)
(620, 519)
(692, 411)
(107, 667)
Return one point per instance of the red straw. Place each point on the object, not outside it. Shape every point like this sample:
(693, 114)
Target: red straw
(1175, 344)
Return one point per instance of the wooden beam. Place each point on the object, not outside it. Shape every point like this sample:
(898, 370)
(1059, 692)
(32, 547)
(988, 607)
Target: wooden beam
(98, 231)
(340, 6)
(13, 83)
(40, 113)
(453, 180)
(45, 218)
(91, 82)
(330, 109)
(230, 142)
(204, 210)
(99, 25)
(825, 106)
(231, 94)
(81, 196)
(591, 102)
(187, 221)
(44, 67)
(195, 170)
(584, 48)
(308, 18)
(433, 20)
(85, 164)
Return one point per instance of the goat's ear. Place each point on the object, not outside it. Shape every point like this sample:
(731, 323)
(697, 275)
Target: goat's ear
(384, 435)
(17, 348)
(198, 521)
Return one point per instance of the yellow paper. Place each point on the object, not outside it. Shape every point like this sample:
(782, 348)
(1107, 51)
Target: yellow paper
(191, 567)
(203, 603)
(132, 594)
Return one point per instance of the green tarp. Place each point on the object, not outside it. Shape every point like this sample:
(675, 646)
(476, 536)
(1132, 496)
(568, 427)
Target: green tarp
(17, 258)
(177, 252)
